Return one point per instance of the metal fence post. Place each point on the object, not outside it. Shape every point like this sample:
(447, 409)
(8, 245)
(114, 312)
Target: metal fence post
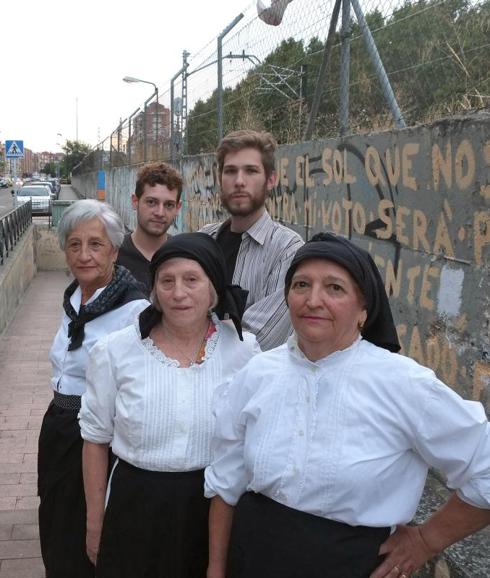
(130, 140)
(378, 65)
(322, 75)
(219, 96)
(144, 133)
(345, 68)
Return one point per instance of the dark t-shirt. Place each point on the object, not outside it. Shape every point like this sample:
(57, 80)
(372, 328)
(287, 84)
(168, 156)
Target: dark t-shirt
(230, 243)
(135, 261)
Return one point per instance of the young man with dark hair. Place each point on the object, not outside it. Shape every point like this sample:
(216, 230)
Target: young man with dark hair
(258, 250)
(156, 201)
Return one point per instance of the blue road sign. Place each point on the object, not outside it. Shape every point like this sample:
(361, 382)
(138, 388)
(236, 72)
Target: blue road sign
(14, 149)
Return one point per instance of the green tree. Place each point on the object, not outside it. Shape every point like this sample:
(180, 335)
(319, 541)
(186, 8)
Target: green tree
(433, 51)
(49, 169)
(75, 151)
(202, 126)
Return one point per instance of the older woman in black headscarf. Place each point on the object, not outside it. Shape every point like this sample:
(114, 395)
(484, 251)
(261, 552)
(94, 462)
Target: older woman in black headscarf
(323, 444)
(149, 395)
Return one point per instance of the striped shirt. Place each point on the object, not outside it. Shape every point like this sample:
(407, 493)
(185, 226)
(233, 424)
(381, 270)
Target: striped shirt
(265, 253)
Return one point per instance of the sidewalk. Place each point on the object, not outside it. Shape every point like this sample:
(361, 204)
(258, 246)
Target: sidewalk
(24, 396)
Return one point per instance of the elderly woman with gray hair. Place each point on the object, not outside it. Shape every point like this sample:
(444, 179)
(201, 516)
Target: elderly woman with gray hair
(103, 297)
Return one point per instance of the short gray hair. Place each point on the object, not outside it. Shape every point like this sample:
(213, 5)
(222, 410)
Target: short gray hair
(86, 210)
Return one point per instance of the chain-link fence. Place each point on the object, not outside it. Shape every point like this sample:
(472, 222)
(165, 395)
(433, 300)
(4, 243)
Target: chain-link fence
(328, 67)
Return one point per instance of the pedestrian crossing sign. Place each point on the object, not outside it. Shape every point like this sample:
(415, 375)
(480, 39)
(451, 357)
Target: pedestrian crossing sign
(14, 149)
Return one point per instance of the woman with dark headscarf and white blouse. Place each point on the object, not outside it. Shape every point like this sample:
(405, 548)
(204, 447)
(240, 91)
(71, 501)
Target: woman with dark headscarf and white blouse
(323, 445)
(149, 393)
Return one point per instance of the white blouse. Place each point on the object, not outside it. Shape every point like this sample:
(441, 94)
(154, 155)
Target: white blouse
(158, 415)
(69, 367)
(349, 437)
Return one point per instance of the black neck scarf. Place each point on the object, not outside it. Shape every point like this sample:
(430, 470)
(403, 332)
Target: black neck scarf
(379, 327)
(122, 289)
(206, 251)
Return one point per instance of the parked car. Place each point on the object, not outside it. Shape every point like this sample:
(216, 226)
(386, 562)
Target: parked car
(40, 195)
(46, 184)
(56, 184)
(3, 183)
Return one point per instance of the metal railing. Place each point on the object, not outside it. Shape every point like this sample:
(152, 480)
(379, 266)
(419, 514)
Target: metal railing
(12, 226)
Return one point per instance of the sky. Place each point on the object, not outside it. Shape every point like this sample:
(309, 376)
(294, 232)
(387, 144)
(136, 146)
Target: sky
(60, 52)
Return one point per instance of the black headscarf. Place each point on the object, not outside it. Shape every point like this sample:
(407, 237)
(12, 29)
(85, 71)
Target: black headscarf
(122, 289)
(206, 251)
(379, 327)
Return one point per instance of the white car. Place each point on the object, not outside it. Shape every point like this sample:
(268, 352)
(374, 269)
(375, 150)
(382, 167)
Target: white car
(40, 196)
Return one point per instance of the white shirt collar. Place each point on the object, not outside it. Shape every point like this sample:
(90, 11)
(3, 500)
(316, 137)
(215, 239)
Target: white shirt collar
(76, 298)
(294, 349)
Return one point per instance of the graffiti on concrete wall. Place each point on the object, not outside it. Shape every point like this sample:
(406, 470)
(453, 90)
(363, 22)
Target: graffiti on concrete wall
(200, 199)
(418, 200)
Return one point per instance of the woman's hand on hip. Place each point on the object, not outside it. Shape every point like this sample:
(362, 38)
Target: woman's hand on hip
(405, 551)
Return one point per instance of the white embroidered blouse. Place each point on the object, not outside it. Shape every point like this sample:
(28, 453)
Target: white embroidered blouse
(156, 414)
(349, 437)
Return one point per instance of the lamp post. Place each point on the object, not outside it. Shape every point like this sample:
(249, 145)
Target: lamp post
(58, 134)
(131, 79)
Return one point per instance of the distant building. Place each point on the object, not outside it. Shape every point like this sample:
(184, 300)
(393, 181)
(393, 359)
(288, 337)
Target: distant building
(157, 128)
(31, 163)
(44, 158)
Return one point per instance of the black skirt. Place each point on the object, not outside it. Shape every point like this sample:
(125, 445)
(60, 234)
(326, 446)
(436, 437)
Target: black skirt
(155, 525)
(62, 511)
(269, 540)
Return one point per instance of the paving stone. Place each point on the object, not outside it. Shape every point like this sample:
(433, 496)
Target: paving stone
(25, 395)
(27, 503)
(25, 532)
(18, 490)
(22, 568)
(19, 549)
(10, 478)
(19, 468)
(7, 503)
(28, 478)
(13, 517)
(10, 458)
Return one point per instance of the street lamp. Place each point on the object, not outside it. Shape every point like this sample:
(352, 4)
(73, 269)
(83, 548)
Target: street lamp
(58, 161)
(132, 79)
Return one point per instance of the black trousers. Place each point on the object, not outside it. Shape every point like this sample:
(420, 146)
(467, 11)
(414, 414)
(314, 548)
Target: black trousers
(269, 540)
(155, 525)
(62, 510)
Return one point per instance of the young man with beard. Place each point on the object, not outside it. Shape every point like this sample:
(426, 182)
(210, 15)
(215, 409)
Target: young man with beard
(258, 250)
(156, 201)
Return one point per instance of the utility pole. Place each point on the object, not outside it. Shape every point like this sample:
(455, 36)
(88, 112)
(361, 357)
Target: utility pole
(219, 98)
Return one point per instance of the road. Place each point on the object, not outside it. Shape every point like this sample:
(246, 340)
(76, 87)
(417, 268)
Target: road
(6, 201)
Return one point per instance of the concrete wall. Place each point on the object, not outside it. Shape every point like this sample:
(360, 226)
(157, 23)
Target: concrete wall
(15, 276)
(85, 185)
(37, 250)
(48, 255)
